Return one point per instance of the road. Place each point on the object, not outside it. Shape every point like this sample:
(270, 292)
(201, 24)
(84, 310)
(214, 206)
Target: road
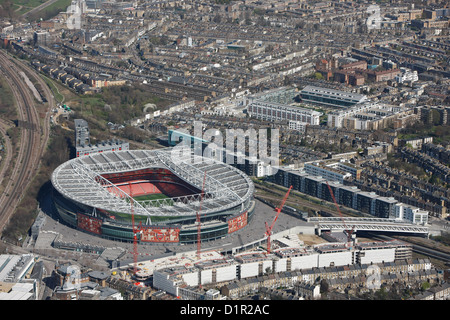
(32, 143)
(275, 194)
(38, 8)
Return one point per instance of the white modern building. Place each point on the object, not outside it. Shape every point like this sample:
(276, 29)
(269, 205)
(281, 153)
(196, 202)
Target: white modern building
(407, 75)
(373, 253)
(336, 117)
(296, 258)
(169, 279)
(366, 116)
(14, 284)
(297, 126)
(13, 268)
(328, 172)
(264, 169)
(410, 213)
(361, 115)
(250, 265)
(272, 111)
(333, 255)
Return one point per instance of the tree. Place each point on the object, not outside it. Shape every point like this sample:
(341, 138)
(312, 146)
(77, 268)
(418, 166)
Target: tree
(381, 294)
(262, 22)
(300, 25)
(268, 48)
(434, 179)
(425, 286)
(217, 18)
(7, 9)
(318, 76)
(436, 117)
(324, 286)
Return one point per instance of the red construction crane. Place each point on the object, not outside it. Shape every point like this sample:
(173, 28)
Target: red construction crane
(135, 231)
(348, 231)
(198, 218)
(278, 210)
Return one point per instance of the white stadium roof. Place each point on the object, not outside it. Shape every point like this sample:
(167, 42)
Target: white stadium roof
(81, 180)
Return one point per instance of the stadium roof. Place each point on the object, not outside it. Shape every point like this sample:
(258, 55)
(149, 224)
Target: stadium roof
(81, 180)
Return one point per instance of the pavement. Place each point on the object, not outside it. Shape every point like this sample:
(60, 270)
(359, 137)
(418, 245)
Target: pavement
(437, 225)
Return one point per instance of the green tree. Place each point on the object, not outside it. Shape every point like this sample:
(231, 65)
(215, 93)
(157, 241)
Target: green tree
(324, 286)
(425, 286)
(7, 9)
(381, 294)
(318, 76)
(436, 116)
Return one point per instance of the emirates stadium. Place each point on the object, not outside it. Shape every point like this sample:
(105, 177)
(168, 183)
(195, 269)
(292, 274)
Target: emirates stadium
(159, 192)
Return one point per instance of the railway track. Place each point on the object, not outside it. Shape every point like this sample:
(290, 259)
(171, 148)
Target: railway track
(31, 145)
(45, 126)
(296, 201)
(432, 253)
(4, 126)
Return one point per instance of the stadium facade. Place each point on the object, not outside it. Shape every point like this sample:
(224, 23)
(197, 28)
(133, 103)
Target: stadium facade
(276, 105)
(330, 97)
(162, 189)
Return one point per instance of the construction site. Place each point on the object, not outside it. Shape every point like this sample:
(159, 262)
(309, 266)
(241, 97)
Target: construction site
(187, 275)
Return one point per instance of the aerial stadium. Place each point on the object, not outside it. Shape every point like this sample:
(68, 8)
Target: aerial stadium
(156, 194)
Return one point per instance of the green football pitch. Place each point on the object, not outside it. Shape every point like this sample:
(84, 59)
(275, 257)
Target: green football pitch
(153, 196)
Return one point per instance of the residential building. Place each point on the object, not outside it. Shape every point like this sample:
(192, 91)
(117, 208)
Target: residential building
(410, 213)
(385, 207)
(297, 125)
(328, 172)
(307, 290)
(365, 202)
(407, 76)
(84, 147)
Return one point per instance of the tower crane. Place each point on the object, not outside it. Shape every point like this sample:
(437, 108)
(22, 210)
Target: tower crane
(278, 210)
(347, 231)
(198, 218)
(135, 231)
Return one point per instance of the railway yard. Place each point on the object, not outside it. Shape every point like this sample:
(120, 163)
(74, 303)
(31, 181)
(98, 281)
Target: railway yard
(33, 122)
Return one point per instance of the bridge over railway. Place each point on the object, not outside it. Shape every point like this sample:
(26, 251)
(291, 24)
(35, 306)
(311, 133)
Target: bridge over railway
(367, 224)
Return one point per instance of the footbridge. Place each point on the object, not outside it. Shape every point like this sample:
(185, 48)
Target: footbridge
(367, 224)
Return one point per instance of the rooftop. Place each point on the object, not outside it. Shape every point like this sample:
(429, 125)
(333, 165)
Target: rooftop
(337, 94)
(81, 179)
